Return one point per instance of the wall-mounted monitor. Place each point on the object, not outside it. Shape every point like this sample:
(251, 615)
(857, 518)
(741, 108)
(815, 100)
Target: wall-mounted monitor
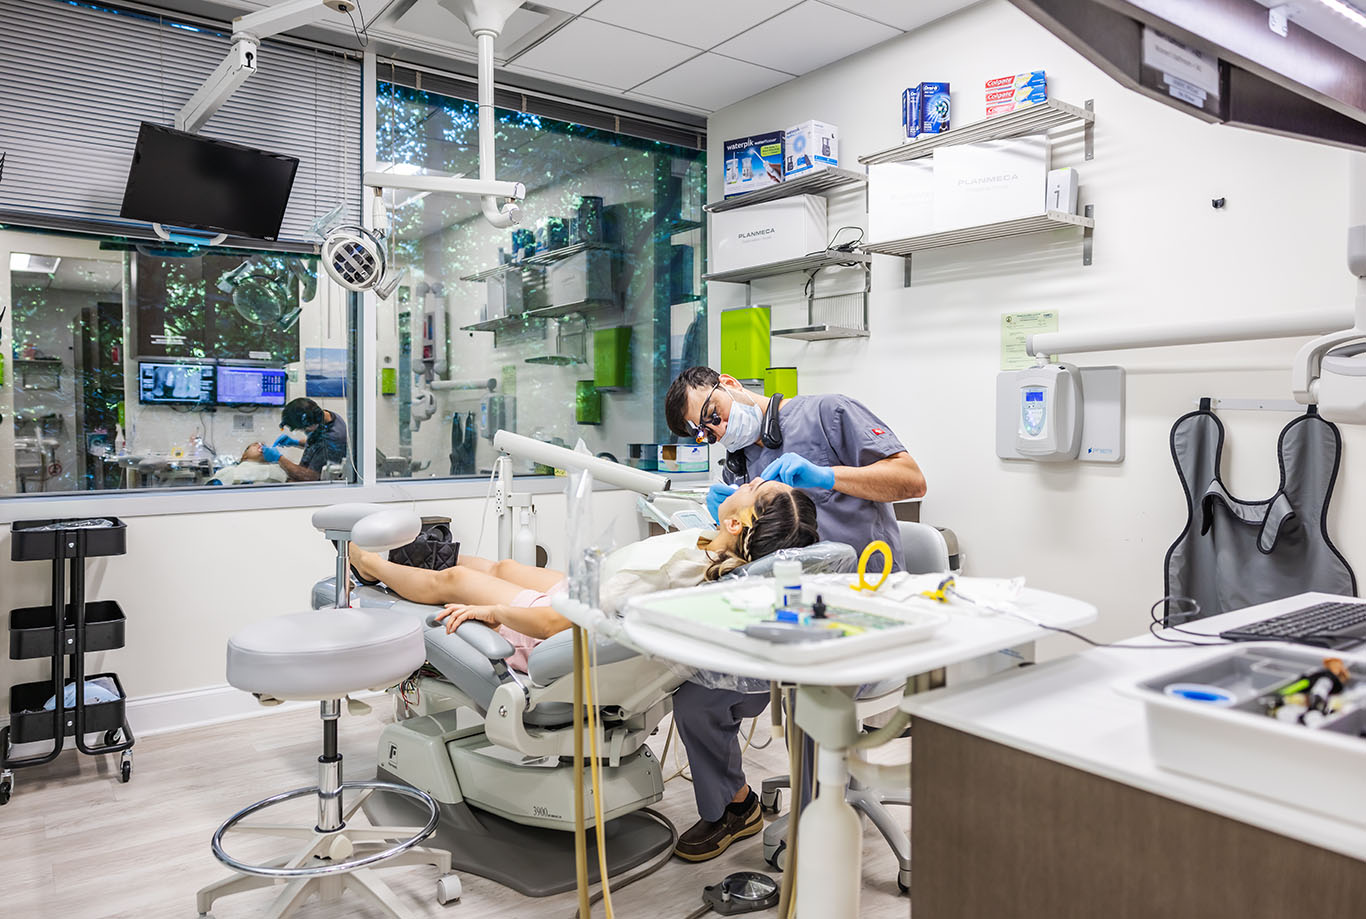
(164, 383)
(250, 385)
(187, 180)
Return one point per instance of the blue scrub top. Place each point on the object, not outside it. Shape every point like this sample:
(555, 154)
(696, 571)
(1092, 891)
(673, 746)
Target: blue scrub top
(834, 430)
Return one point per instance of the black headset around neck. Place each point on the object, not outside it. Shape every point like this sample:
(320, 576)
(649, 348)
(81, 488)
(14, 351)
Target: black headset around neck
(770, 435)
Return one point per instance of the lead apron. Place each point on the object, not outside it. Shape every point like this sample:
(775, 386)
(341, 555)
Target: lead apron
(1236, 553)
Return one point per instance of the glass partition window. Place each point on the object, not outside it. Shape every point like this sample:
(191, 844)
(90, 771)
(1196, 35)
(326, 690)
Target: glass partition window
(132, 366)
(569, 326)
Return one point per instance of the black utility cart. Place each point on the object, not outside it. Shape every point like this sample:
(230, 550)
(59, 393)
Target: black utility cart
(65, 631)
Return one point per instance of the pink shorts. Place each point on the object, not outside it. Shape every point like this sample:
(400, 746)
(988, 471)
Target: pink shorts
(522, 644)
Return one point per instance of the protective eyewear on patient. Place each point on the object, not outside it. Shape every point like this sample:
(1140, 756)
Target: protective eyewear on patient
(702, 427)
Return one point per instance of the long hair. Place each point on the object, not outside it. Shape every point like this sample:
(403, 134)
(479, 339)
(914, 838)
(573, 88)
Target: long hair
(779, 520)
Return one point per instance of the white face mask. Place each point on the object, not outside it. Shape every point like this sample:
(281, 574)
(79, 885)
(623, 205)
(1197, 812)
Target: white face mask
(742, 427)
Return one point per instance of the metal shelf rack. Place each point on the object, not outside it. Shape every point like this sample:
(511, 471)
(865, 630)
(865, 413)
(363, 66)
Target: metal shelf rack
(1033, 119)
(1049, 220)
(827, 179)
(806, 263)
(548, 257)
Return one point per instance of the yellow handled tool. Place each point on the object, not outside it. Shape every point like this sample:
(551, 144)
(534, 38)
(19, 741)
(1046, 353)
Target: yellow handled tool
(875, 546)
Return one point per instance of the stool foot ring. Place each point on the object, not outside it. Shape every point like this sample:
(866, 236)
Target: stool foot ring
(414, 837)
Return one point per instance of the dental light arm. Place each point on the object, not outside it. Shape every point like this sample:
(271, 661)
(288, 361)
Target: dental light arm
(1339, 394)
(603, 470)
(247, 33)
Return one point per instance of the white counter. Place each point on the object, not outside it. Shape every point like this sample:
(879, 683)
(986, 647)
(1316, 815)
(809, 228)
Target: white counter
(1068, 711)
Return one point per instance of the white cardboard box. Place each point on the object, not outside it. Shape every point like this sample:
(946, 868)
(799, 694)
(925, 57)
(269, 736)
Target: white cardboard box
(582, 277)
(988, 182)
(773, 231)
(811, 146)
(900, 199)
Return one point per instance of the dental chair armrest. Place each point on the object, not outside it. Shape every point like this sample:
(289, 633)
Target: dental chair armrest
(483, 639)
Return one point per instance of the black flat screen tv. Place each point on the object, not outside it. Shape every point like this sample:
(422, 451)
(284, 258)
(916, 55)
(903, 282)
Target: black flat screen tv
(187, 180)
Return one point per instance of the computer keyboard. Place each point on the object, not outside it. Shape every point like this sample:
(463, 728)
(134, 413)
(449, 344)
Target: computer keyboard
(1325, 625)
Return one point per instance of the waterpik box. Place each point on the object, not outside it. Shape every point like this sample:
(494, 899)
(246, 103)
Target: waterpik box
(753, 162)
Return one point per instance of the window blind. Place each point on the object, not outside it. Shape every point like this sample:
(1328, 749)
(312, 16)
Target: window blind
(78, 78)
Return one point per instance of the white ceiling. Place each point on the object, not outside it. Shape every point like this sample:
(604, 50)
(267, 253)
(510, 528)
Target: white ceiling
(695, 56)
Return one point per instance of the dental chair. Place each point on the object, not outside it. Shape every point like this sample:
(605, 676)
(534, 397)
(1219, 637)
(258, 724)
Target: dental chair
(494, 748)
(324, 656)
(924, 550)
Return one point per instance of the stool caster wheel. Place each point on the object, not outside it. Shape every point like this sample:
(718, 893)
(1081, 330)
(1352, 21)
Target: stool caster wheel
(770, 802)
(903, 880)
(777, 859)
(448, 889)
(6, 788)
(125, 767)
(113, 737)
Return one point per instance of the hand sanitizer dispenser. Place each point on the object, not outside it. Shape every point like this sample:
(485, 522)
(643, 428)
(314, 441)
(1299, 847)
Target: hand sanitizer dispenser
(1047, 412)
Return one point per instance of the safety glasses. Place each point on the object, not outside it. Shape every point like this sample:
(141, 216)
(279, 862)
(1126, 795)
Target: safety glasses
(702, 432)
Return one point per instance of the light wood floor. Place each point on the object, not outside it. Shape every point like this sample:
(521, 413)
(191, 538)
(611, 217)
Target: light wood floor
(75, 843)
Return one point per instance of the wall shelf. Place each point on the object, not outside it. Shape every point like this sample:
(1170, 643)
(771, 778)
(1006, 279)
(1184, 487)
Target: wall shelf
(1033, 119)
(539, 259)
(826, 180)
(1049, 220)
(806, 263)
(822, 332)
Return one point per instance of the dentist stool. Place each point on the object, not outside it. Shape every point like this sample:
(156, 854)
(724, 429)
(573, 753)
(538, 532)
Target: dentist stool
(323, 656)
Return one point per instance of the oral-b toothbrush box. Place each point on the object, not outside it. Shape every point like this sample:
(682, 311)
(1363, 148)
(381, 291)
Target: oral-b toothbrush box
(934, 108)
(753, 162)
(810, 147)
(910, 114)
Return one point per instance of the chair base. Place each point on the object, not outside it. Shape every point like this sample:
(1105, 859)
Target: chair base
(501, 850)
(327, 861)
(870, 804)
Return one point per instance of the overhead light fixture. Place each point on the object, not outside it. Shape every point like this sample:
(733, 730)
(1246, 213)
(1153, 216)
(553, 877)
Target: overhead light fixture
(1345, 9)
(37, 264)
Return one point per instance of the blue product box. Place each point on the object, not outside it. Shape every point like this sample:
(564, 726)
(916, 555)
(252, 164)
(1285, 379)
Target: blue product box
(934, 108)
(753, 162)
(910, 113)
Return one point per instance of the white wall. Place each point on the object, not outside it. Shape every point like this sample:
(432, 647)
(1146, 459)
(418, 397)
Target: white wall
(1162, 253)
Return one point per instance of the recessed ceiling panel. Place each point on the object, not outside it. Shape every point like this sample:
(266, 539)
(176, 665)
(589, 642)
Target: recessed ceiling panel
(606, 55)
(806, 37)
(711, 82)
(905, 16)
(707, 23)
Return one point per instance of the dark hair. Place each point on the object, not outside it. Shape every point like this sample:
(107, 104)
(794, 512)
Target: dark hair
(300, 413)
(676, 399)
(782, 520)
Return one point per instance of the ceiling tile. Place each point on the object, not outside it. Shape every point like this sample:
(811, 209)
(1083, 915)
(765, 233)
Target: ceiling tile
(604, 54)
(711, 82)
(567, 6)
(707, 23)
(905, 16)
(805, 38)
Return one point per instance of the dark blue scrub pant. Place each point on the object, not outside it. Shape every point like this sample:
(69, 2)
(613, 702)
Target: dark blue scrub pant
(708, 723)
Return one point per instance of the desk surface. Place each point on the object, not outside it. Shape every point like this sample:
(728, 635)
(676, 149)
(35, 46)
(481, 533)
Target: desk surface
(1068, 711)
(966, 635)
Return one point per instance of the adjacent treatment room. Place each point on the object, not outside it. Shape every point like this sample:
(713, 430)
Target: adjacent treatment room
(622, 459)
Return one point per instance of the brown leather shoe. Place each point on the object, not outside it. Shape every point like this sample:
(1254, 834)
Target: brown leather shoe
(706, 839)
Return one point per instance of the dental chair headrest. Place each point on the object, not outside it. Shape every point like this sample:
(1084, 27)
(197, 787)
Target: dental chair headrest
(818, 558)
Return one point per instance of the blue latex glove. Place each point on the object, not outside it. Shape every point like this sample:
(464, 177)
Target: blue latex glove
(715, 495)
(271, 454)
(799, 472)
(284, 440)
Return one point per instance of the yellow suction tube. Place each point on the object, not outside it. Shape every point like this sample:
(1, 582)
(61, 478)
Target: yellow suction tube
(580, 837)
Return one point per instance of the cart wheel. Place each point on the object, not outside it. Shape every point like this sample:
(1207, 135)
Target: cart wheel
(778, 860)
(6, 789)
(126, 770)
(903, 880)
(113, 737)
(770, 802)
(448, 889)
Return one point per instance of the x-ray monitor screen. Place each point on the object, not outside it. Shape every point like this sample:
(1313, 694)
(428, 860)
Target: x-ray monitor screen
(250, 385)
(174, 384)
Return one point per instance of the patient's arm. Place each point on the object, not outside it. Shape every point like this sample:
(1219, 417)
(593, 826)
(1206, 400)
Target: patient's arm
(535, 621)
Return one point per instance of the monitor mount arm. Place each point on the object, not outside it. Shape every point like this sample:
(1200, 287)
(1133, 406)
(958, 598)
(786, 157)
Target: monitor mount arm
(1307, 370)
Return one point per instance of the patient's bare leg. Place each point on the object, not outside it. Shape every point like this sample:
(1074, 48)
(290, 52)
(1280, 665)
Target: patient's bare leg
(422, 585)
(528, 576)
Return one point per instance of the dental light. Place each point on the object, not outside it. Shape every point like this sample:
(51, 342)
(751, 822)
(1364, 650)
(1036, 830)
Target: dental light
(1330, 371)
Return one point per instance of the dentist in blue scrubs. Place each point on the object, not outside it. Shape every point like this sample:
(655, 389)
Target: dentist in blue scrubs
(849, 461)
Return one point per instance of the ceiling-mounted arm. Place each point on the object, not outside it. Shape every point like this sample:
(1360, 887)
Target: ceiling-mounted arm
(247, 33)
(500, 214)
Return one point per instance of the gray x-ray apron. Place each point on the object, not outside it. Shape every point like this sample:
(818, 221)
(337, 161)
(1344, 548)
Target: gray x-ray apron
(1236, 553)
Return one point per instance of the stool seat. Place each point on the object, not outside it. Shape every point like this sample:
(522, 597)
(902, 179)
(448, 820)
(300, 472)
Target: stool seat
(325, 654)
